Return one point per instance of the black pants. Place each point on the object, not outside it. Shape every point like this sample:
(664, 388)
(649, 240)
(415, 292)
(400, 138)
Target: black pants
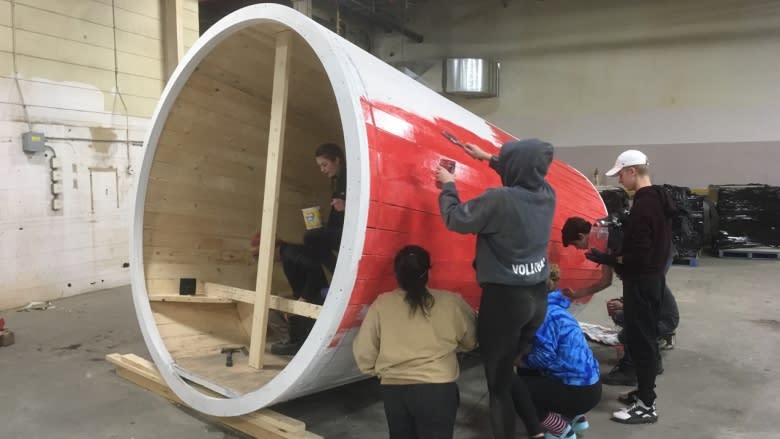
(306, 278)
(508, 319)
(548, 394)
(642, 297)
(669, 318)
(421, 411)
(321, 243)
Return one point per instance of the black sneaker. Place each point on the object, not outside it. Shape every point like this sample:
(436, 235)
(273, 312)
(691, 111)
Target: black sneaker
(667, 342)
(620, 375)
(636, 413)
(629, 398)
(285, 348)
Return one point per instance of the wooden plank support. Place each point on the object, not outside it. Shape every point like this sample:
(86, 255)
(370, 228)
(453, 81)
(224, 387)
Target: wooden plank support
(187, 299)
(283, 304)
(232, 293)
(262, 424)
(273, 175)
(173, 34)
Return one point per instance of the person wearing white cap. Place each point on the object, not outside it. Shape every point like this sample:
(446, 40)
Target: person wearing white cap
(641, 263)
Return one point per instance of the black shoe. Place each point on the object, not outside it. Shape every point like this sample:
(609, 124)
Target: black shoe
(620, 375)
(285, 348)
(667, 342)
(629, 398)
(636, 413)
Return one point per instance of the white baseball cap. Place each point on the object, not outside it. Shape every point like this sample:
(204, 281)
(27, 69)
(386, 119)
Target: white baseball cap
(631, 157)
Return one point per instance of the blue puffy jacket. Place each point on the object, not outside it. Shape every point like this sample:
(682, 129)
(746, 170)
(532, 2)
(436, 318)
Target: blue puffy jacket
(560, 349)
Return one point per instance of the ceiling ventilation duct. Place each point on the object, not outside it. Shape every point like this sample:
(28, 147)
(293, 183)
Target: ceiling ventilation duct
(471, 77)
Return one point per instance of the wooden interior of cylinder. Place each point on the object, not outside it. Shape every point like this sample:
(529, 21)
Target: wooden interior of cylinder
(205, 195)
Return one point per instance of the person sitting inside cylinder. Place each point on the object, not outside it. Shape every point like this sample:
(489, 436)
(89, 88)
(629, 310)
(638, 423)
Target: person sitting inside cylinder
(577, 232)
(566, 384)
(322, 242)
(409, 339)
(303, 263)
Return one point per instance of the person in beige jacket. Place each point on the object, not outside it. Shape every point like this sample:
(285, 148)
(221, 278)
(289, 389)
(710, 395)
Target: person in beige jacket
(409, 339)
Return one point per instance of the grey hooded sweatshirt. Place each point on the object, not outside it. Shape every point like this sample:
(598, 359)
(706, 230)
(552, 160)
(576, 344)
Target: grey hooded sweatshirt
(512, 223)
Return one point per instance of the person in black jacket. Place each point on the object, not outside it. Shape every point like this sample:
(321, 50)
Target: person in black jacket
(303, 264)
(576, 232)
(647, 241)
(323, 242)
(513, 225)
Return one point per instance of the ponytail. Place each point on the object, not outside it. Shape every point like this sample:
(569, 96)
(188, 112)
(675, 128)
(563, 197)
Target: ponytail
(411, 272)
(554, 277)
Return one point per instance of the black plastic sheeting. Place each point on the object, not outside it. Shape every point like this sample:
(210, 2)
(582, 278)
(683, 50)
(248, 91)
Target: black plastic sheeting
(688, 225)
(748, 216)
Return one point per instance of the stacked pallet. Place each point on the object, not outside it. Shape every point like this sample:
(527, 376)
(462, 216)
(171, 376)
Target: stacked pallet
(748, 221)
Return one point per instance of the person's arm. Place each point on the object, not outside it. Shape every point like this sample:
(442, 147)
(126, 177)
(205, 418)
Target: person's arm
(365, 348)
(545, 346)
(467, 326)
(480, 154)
(603, 283)
(474, 216)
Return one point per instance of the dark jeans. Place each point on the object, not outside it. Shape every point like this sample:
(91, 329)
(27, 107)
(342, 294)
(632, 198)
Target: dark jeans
(321, 243)
(508, 319)
(548, 394)
(642, 297)
(669, 316)
(421, 411)
(306, 278)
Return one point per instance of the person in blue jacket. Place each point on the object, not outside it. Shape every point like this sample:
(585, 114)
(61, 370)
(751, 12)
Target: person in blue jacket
(566, 384)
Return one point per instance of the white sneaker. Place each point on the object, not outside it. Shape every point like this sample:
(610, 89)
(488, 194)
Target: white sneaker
(636, 413)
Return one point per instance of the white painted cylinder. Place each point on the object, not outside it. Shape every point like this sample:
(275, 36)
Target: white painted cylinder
(191, 207)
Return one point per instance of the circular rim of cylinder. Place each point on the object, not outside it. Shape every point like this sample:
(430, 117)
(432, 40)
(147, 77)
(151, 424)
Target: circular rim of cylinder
(346, 85)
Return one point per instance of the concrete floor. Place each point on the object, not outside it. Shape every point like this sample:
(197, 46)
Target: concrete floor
(721, 380)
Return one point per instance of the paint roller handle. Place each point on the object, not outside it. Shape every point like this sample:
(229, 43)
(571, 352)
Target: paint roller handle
(476, 152)
(473, 150)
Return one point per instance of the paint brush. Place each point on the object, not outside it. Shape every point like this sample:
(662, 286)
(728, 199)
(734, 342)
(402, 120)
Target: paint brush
(451, 137)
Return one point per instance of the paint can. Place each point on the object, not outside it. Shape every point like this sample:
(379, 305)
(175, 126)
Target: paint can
(312, 217)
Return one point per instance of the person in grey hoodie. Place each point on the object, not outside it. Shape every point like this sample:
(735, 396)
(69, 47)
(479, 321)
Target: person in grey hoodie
(513, 225)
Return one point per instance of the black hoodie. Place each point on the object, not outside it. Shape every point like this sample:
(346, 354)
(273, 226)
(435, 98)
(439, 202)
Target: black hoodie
(512, 223)
(647, 233)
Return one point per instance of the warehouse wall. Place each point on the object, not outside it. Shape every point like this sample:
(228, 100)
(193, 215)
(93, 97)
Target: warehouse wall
(694, 82)
(89, 73)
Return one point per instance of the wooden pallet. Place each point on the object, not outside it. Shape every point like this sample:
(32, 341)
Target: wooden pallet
(751, 253)
(262, 424)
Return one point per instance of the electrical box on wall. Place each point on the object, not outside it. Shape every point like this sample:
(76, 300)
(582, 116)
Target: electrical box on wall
(33, 142)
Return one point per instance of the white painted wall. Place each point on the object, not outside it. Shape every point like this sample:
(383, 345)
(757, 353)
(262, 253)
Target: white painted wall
(66, 60)
(616, 73)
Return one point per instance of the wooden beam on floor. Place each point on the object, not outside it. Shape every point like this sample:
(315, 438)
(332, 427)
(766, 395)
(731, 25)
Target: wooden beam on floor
(262, 424)
(273, 175)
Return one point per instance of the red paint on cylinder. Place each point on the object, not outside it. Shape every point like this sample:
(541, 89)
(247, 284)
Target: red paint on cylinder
(404, 150)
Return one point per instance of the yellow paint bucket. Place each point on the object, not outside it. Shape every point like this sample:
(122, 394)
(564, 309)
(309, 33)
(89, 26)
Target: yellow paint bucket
(312, 217)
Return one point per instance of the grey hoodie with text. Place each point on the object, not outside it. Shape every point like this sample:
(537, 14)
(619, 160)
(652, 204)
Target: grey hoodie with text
(512, 223)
